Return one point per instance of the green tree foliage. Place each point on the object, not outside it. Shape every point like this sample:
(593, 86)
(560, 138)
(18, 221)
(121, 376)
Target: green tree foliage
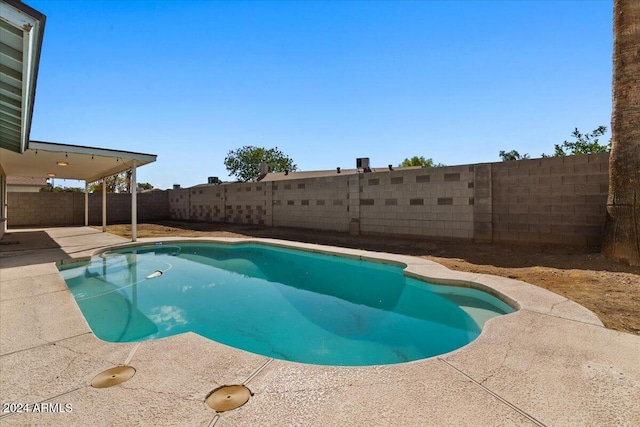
(145, 186)
(48, 188)
(512, 155)
(115, 184)
(244, 163)
(68, 190)
(588, 143)
(419, 161)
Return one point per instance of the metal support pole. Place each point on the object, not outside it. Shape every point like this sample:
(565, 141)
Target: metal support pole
(104, 204)
(134, 203)
(86, 203)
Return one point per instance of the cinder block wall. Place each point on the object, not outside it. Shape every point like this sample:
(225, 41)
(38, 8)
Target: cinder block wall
(44, 209)
(245, 203)
(422, 202)
(62, 209)
(179, 204)
(320, 203)
(559, 200)
(236, 203)
(153, 206)
(199, 204)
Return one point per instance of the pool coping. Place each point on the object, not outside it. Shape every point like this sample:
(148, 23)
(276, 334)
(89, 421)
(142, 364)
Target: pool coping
(550, 363)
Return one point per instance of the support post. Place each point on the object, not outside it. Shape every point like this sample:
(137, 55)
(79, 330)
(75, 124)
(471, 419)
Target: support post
(104, 204)
(3, 202)
(86, 203)
(134, 203)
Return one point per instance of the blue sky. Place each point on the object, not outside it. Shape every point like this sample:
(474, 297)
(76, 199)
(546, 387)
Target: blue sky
(325, 82)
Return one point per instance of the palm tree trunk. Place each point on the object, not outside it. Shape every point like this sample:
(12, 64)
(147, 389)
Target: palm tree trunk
(622, 235)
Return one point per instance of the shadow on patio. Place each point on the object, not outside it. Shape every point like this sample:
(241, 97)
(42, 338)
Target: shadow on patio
(36, 246)
(22, 248)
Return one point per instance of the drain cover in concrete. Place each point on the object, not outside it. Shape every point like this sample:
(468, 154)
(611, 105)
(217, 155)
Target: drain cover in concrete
(113, 376)
(228, 397)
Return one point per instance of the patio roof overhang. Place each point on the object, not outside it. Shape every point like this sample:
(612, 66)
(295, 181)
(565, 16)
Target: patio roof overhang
(52, 160)
(21, 32)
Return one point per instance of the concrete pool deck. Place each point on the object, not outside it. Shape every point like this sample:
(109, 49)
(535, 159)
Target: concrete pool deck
(551, 363)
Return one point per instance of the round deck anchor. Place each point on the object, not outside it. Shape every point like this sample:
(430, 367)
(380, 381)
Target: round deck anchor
(113, 376)
(228, 397)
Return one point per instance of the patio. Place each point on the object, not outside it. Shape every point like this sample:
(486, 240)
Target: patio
(550, 363)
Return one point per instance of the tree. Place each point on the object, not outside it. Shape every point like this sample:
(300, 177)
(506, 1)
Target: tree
(68, 190)
(622, 233)
(145, 186)
(419, 161)
(588, 143)
(119, 183)
(244, 163)
(512, 155)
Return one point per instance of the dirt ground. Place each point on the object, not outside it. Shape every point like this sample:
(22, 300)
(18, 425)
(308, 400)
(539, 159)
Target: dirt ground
(609, 289)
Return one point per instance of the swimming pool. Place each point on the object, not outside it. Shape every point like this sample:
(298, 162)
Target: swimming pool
(279, 302)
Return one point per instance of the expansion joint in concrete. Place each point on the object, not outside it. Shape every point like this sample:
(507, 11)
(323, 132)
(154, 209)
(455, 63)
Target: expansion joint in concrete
(564, 318)
(256, 372)
(44, 344)
(495, 395)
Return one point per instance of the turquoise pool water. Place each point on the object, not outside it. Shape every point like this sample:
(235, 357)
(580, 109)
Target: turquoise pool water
(282, 303)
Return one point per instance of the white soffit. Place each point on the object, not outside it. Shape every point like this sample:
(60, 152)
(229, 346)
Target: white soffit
(21, 31)
(82, 163)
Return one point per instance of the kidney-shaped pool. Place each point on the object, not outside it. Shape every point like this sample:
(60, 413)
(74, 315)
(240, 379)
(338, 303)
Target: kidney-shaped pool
(284, 303)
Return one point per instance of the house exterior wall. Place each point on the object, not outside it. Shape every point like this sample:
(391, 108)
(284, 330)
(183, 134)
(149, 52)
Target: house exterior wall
(559, 200)
(12, 188)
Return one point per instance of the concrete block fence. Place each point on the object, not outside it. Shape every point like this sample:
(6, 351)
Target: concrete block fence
(66, 209)
(560, 200)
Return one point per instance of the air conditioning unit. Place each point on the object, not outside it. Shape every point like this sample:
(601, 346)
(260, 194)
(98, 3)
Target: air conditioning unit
(213, 180)
(176, 186)
(362, 163)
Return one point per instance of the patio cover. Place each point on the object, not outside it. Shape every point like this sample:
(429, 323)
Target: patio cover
(21, 35)
(51, 160)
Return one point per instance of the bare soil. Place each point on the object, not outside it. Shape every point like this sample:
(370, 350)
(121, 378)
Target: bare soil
(609, 289)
